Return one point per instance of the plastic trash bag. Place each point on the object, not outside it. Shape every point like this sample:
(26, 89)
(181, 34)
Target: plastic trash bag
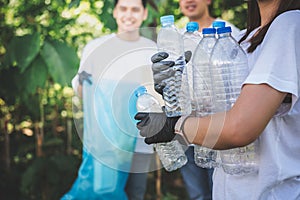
(97, 181)
(108, 143)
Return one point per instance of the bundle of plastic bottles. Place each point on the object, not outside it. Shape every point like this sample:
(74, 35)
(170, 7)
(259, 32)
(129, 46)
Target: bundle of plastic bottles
(217, 69)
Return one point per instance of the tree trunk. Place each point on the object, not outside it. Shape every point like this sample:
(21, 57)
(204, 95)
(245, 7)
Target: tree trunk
(69, 136)
(39, 132)
(39, 135)
(158, 179)
(6, 145)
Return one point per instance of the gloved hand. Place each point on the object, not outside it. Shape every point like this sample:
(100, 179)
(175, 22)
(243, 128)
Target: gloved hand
(163, 69)
(84, 76)
(156, 127)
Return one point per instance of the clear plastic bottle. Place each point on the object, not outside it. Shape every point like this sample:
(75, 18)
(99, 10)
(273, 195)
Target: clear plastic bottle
(229, 69)
(171, 154)
(191, 39)
(170, 40)
(204, 157)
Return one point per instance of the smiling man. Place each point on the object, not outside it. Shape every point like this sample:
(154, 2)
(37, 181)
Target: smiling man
(129, 16)
(198, 11)
(111, 58)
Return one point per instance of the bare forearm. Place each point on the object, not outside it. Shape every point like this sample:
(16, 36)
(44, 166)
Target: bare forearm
(79, 91)
(239, 126)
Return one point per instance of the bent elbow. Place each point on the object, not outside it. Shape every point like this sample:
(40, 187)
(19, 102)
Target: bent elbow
(240, 136)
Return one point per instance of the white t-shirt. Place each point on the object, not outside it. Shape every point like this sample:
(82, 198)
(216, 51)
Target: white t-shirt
(117, 60)
(275, 62)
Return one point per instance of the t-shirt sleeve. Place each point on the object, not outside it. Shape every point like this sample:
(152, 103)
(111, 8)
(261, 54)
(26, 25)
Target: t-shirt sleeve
(278, 56)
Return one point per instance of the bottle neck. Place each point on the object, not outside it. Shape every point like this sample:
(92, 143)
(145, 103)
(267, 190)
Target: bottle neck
(191, 32)
(224, 35)
(167, 24)
(210, 35)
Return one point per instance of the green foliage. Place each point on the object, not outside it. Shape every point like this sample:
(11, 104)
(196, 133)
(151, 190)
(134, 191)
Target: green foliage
(61, 61)
(45, 175)
(233, 11)
(106, 16)
(22, 50)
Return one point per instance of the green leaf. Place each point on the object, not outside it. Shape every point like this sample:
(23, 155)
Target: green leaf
(106, 16)
(74, 3)
(32, 105)
(61, 60)
(35, 76)
(22, 50)
(9, 89)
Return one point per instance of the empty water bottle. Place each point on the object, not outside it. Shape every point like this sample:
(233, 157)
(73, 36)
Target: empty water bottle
(191, 38)
(170, 40)
(229, 69)
(171, 154)
(202, 87)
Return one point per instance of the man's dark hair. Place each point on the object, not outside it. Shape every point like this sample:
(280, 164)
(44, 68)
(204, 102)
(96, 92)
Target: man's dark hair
(144, 2)
(254, 20)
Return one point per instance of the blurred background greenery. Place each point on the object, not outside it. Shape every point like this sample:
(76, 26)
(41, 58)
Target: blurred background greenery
(40, 45)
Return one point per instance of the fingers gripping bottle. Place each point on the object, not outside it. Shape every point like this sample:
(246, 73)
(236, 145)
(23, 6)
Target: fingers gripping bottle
(170, 40)
(191, 38)
(203, 97)
(171, 154)
(229, 69)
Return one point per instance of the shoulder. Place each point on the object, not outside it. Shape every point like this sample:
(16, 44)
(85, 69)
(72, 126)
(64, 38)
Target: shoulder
(288, 18)
(97, 41)
(285, 25)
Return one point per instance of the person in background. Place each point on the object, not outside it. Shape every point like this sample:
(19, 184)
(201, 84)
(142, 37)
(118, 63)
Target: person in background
(198, 181)
(198, 11)
(267, 109)
(129, 16)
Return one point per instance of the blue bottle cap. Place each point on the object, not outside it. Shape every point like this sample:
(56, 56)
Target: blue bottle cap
(208, 31)
(226, 29)
(167, 19)
(140, 90)
(192, 26)
(218, 24)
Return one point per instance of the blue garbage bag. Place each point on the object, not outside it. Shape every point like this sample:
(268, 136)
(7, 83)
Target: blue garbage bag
(109, 139)
(97, 181)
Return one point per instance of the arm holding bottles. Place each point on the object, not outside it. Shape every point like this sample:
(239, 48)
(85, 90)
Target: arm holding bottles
(239, 126)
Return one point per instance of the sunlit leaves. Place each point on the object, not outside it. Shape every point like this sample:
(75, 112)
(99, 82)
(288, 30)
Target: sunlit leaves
(74, 3)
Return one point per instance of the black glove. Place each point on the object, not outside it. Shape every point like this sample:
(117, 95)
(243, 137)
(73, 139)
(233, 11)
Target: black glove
(163, 69)
(156, 127)
(84, 76)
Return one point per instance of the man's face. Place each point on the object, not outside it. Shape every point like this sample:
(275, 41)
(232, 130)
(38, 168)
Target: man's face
(194, 8)
(129, 14)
